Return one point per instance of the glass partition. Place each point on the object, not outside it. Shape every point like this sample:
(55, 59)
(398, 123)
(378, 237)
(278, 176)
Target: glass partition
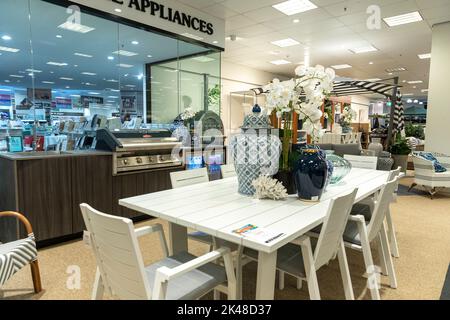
(61, 65)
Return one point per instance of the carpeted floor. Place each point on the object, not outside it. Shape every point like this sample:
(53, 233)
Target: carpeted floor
(423, 228)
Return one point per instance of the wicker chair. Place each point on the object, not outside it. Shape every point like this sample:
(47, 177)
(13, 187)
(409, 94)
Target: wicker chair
(17, 254)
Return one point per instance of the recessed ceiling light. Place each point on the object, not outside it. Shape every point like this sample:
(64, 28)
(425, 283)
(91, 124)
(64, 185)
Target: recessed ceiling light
(67, 79)
(296, 20)
(113, 97)
(370, 62)
(203, 59)
(48, 82)
(275, 53)
(425, 90)
(6, 37)
(118, 10)
(215, 42)
(149, 56)
(7, 49)
(58, 64)
(409, 101)
(75, 27)
(341, 66)
(130, 86)
(111, 58)
(15, 76)
(5, 90)
(59, 36)
(403, 19)
(425, 56)
(416, 101)
(124, 65)
(399, 69)
(285, 43)
(135, 42)
(364, 49)
(292, 7)
(408, 94)
(415, 82)
(33, 70)
(280, 62)
(83, 55)
(90, 84)
(75, 95)
(140, 77)
(89, 73)
(112, 80)
(421, 103)
(93, 93)
(125, 53)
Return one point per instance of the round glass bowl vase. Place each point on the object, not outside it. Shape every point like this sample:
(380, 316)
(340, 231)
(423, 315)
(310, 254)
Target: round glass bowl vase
(341, 167)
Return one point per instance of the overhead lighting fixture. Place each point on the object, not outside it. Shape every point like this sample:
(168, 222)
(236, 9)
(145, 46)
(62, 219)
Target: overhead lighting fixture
(371, 62)
(364, 49)
(203, 59)
(90, 84)
(67, 79)
(135, 42)
(215, 42)
(112, 80)
(416, 101)
(425, 56)
(111, 58)
(296, 20)
(188, 35)
(292, 7)
(408, 94)
(149, 56)
(48, 82)
(421, 103)
(285, 43)
(95, 93)
(392, 70)
(6, 37)
(140, 77)
(409, 101)
(118, 10)
(130, 86)
(83, 55)
(5, 90)
(415, 82)
(124, 65)
(33, 70)
(112, 97)
(8, 49)
(113, 90)
(58, 64)
(59, 36)
(75, 95)
(15, 76)
(341, 66)
(75, 27)
(125, 53)
(280, 62)
(403, 19)
(89, 73)
(425, 90)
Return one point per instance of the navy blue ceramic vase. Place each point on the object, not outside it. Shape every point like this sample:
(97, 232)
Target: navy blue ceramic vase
(311, 174)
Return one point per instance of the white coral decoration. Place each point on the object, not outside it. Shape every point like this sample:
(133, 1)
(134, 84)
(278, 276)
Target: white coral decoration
(268, 188)
(188, 114)
(304, 95)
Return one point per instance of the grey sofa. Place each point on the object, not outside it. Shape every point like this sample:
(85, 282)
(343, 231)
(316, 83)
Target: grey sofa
(342, 149)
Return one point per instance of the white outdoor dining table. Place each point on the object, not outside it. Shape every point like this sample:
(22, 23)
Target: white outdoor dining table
(217, 209)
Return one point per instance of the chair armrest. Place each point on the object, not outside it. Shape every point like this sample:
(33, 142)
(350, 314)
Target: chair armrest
(157, 228)
(167, 274)
(21, 218)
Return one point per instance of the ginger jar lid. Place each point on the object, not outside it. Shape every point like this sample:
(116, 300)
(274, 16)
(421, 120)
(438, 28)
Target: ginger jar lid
(256, 120)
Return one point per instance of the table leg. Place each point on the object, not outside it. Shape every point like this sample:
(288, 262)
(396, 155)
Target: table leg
(177, 239)
(265, 284)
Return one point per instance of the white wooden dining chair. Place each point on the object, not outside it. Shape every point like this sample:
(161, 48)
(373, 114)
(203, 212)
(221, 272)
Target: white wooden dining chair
(228, 171)
(181, 179)
(362, 162)
(370, 205)
(360, 233)
(302, 259)
(121, 272)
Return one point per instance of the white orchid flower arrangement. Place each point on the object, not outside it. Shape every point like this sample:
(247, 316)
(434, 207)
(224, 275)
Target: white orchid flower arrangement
(187, 114)
(304, 95)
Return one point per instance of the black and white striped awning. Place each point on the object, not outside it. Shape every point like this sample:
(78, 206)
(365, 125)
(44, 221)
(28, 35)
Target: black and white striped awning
(356, 87)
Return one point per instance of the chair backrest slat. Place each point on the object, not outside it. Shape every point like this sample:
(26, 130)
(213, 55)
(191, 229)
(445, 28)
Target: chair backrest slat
(117, 253)
(189, 177)
(333, 228)
(382, 203)
(228, 171)
(362, 162)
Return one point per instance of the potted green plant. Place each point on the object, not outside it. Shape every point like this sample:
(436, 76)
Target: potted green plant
(400, 152)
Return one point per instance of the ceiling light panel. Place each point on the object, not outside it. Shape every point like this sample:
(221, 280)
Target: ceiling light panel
(425, 56)
(399, 69)
(285, 43)
(403, 19)
(415, 82)
(89, 73)
(203, 59)
(341, 66)
(124, 65)
(58, 64)
(75, 27)
(364, 49)
(292, 7)
(8, 49)
(280, 62)
(125, 53)
(83, 55)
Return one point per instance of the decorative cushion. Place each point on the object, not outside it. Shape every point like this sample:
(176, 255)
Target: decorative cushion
(438, 167)
(14, 256)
